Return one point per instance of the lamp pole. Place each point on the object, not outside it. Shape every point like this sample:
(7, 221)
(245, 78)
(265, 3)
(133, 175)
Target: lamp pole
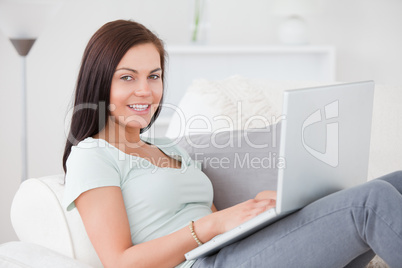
(23, 46)
(22, 21)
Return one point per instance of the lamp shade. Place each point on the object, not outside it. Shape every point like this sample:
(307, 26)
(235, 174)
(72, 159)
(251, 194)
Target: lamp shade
(25, 19)
(22, 21)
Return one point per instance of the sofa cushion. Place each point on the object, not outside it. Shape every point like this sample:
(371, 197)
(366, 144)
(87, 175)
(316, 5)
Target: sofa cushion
(239, 164)
(18, 254)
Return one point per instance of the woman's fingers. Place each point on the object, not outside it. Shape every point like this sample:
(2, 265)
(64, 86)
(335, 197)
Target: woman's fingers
(236, 215)
(258, 206)
(266, 195)
(267, 203)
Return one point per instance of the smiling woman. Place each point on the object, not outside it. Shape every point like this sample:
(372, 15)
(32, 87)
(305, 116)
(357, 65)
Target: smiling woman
(107, 55)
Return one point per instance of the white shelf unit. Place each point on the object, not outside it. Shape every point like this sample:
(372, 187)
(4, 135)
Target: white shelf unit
(278, 63)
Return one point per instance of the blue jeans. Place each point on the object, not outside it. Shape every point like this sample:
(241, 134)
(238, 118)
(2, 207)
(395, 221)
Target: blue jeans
(343, 229)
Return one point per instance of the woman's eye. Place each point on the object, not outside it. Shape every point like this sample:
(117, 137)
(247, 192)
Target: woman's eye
(126, 78)
(154, 76)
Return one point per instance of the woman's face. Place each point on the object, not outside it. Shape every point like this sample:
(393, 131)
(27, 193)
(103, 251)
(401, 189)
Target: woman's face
(136, 88)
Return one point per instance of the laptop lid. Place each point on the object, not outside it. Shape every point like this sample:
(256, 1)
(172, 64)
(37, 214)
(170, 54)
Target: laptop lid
(325, 141)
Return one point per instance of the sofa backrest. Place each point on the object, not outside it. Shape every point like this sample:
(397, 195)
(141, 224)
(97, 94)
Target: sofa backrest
(238, 100)
(239, 163)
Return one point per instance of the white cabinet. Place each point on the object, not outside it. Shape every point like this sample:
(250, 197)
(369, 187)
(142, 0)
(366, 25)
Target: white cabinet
(290, 63)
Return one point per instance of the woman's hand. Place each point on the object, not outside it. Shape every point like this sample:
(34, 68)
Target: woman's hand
(227, 219)
(266, 195)
(243, 212)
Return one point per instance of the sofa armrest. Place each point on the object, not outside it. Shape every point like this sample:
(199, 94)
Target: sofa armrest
(19, 254)
(38, 217)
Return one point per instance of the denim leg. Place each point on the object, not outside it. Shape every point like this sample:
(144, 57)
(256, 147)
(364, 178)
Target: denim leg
(331, 232)
(395, 179)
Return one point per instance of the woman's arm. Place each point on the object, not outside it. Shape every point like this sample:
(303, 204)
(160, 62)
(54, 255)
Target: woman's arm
(213, 208)
(105, 218)
(103, 213)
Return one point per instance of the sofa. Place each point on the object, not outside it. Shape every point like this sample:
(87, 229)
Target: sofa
(51, 237)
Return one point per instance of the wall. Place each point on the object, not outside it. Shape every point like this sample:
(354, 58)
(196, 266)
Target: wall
(366, 34)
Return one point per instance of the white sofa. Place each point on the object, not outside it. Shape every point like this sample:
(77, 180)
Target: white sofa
(49, 235)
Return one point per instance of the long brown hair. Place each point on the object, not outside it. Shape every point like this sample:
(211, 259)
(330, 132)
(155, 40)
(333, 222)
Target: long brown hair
(103, 53)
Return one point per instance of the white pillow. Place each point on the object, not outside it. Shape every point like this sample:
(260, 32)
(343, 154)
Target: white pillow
(233, 103)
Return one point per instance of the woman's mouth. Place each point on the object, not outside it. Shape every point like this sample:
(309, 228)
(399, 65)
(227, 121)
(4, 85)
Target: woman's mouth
(139, 107)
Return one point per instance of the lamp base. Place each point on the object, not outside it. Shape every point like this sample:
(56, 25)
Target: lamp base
(23, 46)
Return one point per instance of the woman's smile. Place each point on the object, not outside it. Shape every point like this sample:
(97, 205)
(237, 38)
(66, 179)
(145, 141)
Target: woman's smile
(140, 108)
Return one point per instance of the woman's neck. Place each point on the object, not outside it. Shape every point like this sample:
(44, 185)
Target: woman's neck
(120, 136)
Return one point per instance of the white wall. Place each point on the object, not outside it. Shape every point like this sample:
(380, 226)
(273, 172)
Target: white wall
(366, 33)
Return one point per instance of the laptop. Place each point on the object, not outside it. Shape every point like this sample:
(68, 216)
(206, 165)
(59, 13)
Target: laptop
(324, 142)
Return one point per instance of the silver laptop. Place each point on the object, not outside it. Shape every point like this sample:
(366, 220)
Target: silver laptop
(325, 140)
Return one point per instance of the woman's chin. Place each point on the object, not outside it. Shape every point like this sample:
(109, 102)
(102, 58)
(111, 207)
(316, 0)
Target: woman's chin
(137, 122)
(136, 126)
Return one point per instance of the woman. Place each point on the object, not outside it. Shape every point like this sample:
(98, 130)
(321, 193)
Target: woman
(146, 205)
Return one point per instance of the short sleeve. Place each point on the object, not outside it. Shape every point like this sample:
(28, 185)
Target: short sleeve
(88, 168)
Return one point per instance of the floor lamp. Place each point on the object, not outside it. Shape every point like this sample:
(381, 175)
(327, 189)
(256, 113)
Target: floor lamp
(22, 21)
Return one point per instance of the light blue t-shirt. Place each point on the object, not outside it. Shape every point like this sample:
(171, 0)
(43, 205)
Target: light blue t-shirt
(158, 201)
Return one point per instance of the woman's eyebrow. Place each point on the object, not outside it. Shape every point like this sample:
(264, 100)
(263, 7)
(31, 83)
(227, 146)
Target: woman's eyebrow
(135, 71)
(156, 70)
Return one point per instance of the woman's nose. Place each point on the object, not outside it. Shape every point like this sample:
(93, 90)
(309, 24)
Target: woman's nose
(142, 89)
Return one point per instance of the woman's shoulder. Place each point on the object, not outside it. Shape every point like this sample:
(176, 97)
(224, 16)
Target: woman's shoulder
(91, 143)
(90, 165)
(91, 149)
(91, 159)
